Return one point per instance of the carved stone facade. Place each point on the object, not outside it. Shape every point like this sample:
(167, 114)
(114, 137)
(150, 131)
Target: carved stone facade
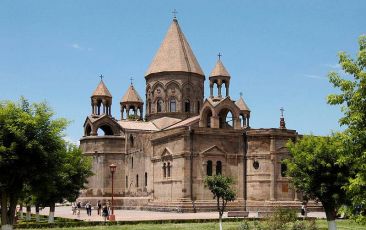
(162, 160)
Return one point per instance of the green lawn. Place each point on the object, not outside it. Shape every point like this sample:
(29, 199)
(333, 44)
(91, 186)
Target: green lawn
(341, 225)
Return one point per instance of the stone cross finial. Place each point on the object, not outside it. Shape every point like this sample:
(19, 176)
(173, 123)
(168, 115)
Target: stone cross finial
(241, 94)
(101, 77)
(219, 55)
(282, 110)
(175, 12)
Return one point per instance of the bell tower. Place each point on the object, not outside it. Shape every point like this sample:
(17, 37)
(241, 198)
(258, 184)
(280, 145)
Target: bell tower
(101, 100)
(219, 76)
(174, 79)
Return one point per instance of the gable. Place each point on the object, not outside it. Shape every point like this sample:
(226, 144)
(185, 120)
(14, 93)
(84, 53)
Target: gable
(213, 151)
(167, 154)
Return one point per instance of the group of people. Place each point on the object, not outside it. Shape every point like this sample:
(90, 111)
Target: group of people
(104, 210)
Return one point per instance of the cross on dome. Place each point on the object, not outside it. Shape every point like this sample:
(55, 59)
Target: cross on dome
(282, 110)
(131, 79)
(175, 12)
(101, 77)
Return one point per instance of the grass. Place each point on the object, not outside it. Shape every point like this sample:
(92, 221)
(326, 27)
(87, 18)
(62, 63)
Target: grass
(322, 224)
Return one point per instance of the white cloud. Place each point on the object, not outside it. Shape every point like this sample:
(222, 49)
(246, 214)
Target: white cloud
(312, 76)
(76, 46)
(333, 66)
(70, 140)
(79, 47)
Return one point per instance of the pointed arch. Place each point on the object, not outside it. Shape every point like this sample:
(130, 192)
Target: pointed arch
(205, 118)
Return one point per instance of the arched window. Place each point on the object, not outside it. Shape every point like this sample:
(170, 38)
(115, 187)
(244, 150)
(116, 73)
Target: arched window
(87, 130)
(145, 179)
(168, 167)
(283, 169)
(131, 140)
(164, 170)
(107, 130)
(187, 106)
(173, 105)
(209, 168)
(137, 180)
(218, 168)
(159, 106)
(208, 119)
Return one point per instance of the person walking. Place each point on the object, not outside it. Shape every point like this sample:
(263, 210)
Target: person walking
(88, 208)
(105, 212)
(99, 208)
(73, 208)
(78, 207)
(304, 210)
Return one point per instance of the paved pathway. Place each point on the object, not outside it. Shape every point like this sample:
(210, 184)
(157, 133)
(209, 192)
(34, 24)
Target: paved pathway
(133, 215)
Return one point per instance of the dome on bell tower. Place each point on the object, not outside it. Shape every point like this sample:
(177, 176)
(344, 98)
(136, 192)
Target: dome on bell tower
(174, 79)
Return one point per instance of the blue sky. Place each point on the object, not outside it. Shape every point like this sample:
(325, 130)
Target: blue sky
(277, 52)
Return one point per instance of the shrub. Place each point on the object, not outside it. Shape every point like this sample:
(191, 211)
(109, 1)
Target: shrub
(280, 217)
(244, 225)
(303, 225)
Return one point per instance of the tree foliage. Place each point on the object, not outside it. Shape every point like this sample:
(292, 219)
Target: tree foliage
(36, 164)
(220, 186)
(28, 136)
(352, 98)
(314, 169)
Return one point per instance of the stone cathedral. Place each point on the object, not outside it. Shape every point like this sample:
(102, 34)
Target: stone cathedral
(164, 152)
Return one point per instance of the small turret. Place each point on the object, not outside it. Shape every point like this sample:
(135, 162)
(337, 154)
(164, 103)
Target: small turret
(101, 99)
(244, 111)
(132, 100)
(219, 76)
(282, 120)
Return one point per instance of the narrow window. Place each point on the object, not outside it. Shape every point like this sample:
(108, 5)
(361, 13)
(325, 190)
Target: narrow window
(159, 105)
(137, 180)
(164, 170)
(283, 169)
(187, 106)
(132, 162)
(209, 168)
(173, 105)
(168, 167)
(126, 181)
(145, 179)
(218, 168)
(131, 140)
(198, 106)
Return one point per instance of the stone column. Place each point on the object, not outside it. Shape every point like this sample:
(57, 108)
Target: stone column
(215, 122)
(219, 89)
(211, 90)
(236, 123)
(227, 89)
(273, 169)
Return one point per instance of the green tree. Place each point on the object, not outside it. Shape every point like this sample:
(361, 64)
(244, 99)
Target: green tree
(64, 182)
(28, 136)
(352, 98)
(314, 169)
(220, 186)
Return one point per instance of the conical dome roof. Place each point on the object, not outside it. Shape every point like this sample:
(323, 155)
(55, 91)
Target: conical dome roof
(219, 70)
(174, 54)
(101, 90)
(242, 105)
(131, 96)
